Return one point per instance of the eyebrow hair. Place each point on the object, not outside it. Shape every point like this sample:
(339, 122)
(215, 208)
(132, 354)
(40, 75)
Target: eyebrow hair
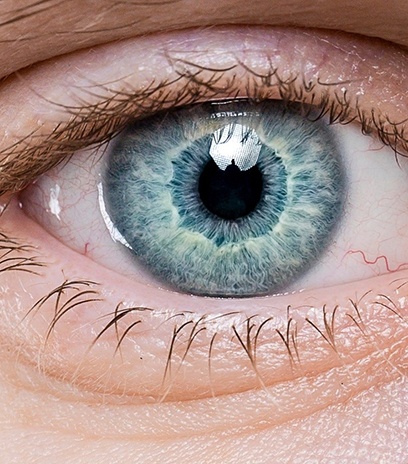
(25, 12)
(66, 31)
(18, 16)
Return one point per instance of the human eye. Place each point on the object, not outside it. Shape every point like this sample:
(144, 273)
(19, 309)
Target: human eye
(128, 340)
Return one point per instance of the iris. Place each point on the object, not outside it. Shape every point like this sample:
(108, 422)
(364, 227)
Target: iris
(227, 199)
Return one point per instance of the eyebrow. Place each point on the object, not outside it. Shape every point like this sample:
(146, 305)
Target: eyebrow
(41, 6)
(38, 8)
(70, 26)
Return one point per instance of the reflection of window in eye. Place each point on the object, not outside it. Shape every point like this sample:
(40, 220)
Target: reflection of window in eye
(153, 347)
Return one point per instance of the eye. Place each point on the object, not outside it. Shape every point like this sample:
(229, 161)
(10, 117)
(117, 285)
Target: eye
(159, 202)
(113, 323)
(237, 230)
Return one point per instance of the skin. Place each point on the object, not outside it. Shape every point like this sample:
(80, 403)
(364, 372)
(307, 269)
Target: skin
(346, 404)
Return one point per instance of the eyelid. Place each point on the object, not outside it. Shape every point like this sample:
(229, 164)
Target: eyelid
(67, 108)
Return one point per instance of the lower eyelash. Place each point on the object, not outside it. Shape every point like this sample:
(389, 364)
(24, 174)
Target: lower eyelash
(248, 334)
(268, 340)
(9, 261)
(69, 295)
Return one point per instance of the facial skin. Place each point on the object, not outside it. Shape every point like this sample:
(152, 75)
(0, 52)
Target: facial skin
(60, 403)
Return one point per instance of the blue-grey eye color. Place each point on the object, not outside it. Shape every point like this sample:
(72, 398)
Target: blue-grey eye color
(227, 199)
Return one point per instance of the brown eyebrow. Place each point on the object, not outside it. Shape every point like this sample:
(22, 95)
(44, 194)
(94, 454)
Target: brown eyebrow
(40, 6)
(22, 25)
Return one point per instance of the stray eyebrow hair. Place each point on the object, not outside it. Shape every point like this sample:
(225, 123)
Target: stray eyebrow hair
(92, 125)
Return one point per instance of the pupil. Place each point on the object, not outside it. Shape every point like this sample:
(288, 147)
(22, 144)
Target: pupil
(232, 193)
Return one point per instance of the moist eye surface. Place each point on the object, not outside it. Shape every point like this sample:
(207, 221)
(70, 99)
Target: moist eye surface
(227, 199)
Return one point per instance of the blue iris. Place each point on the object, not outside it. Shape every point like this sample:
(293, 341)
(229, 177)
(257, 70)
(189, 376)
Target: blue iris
(233, 229)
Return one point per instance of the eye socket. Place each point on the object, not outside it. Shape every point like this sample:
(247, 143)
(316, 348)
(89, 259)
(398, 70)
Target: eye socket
(140, 321)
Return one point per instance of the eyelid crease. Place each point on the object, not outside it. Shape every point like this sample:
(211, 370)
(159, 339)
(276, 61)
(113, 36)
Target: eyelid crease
(93, 123)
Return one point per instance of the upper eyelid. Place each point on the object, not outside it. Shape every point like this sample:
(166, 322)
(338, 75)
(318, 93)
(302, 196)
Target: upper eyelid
(96, 120)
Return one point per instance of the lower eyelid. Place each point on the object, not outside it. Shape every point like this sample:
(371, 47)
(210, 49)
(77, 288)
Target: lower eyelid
(187, 347)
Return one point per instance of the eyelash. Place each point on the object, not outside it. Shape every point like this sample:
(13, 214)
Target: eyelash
(248, 333)
(95, 125)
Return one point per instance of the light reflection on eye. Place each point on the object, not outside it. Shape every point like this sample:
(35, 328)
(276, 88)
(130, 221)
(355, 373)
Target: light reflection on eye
(150, 338)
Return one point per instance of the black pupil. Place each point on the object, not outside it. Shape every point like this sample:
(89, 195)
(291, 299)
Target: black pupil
(232, 193)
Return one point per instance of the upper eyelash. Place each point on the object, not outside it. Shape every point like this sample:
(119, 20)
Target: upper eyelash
(96, 124)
